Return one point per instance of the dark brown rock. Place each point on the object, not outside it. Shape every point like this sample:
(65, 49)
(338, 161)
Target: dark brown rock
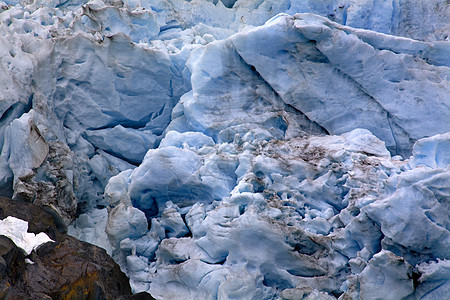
(38, 219)
(72, 269)
(12, 265)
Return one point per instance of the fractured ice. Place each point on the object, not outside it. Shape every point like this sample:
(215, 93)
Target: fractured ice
(222, 149)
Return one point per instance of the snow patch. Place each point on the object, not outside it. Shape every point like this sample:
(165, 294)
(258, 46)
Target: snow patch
(17, 230)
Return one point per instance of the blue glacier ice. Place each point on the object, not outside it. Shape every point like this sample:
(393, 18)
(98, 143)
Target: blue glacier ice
(237, 149)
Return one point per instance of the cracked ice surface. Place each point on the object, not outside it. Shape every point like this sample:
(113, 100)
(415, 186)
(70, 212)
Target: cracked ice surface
(237, 149)
(331, 213)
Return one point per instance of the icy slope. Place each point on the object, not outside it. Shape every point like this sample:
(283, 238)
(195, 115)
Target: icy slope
(327, 213)
(237, 149)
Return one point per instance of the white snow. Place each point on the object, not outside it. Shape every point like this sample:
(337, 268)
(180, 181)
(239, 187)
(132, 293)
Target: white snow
(16, 229)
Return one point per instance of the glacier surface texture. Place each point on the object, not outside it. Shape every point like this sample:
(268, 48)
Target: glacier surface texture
(249, 149)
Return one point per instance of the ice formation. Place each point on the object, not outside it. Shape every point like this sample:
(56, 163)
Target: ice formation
(222, 149)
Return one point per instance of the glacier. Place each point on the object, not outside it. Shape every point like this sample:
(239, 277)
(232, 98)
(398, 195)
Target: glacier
(222, 149)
